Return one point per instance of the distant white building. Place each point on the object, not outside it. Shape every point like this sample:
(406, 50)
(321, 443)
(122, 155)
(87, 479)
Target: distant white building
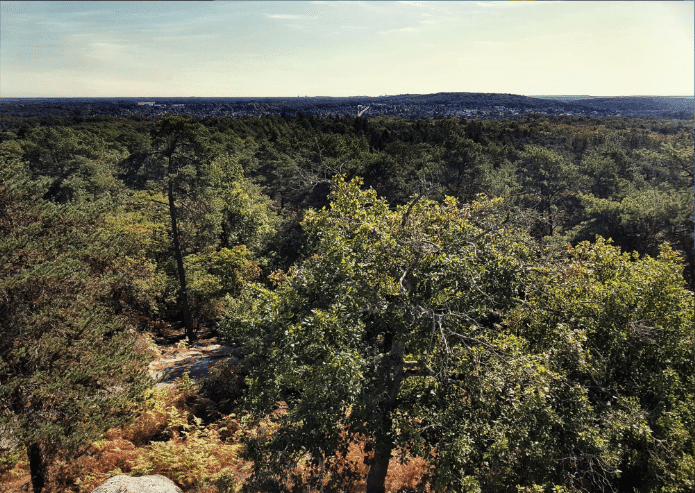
(146, 103)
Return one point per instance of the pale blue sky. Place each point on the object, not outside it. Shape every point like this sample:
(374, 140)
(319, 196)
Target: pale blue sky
(338, 48)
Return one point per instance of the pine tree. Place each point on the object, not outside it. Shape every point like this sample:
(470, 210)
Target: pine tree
(69, 369)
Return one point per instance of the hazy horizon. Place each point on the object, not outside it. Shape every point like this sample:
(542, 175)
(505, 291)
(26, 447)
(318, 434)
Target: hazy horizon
(539, 96)
(345, 49)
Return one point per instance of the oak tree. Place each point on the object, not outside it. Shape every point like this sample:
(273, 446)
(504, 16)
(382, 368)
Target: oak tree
(390, 331)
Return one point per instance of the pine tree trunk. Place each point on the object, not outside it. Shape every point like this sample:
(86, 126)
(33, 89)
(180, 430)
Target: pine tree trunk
(178, 255)
(37, 467)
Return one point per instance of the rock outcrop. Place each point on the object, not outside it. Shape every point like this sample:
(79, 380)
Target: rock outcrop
(143, 484)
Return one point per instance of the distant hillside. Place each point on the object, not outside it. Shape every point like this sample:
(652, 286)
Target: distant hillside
(563, 98)
(439, 105)
(634, 105)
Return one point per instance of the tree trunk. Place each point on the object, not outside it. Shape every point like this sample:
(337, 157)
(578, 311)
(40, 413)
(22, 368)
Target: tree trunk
(376, 479)
(37, 467)
(178, 255)
(383, 447)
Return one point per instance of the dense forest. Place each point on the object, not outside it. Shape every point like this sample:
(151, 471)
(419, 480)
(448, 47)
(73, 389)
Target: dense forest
(419, 305)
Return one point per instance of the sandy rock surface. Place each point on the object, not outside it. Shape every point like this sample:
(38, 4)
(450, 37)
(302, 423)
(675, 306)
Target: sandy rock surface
(196, 360)
(143, 484)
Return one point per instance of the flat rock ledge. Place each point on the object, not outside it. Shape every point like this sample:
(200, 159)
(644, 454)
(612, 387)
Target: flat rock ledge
(142, 484)
(196, 361)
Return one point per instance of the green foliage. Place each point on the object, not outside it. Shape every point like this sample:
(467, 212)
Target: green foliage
(639, 221)
(389, 331)
(393, 330)
(546, 378)
(194, 456)
(185, 167)
(605, 168)
(136, 234)
(79, 164)
(545, 172)
(538, 163)
(166, 438)
(249, 218)
(620, 328)
(69, 369)
(182, 169)
(216, 274)
(13, 464)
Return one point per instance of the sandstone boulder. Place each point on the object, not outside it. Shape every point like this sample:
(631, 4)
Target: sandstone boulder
(143, 484)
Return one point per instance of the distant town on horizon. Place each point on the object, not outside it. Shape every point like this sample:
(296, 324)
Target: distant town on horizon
(411, 106)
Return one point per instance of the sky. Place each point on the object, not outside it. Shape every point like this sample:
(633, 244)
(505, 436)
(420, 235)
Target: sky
(341, 48)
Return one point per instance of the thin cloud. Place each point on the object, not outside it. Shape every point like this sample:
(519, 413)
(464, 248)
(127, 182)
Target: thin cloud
(400, 30)
(415, 4)
(493, 4)
(285, 16)
(425, 5)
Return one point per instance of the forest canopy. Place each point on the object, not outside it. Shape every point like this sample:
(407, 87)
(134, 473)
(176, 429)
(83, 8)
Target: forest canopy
(507, 301)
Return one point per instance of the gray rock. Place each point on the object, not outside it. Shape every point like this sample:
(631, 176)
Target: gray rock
(224, 352)
(143, 484)
(7, 439)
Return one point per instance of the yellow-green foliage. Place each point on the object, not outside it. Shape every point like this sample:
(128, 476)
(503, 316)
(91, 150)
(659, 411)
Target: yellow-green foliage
(13, 464)
(166, 439)
(189, 458)
(212, 274)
